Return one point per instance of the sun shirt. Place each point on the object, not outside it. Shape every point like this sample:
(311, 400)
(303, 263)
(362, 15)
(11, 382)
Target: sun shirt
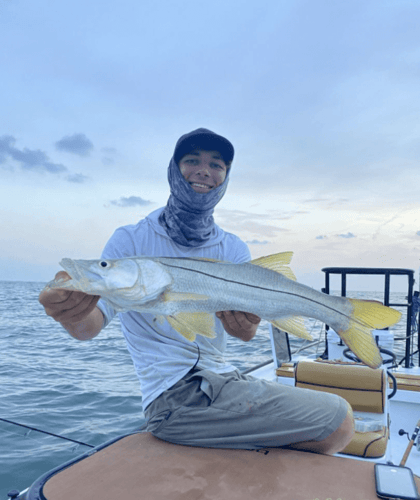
(161, 356)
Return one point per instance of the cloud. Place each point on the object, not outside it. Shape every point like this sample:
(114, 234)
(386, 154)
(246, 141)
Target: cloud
(77, 178)
(257, 242)
(321, 237)
(329, 202)
(348, 235)
(109, 151)
(108, 155)
(77, 144)
(29, 159)
(5, 144)
(108, 161)
(131, 201)
(256, 224)
(418, 233)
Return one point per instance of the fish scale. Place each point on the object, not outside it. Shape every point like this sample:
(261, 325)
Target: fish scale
(263, 299)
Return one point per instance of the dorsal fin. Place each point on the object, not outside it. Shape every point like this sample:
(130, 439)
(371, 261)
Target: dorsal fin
(276, 262)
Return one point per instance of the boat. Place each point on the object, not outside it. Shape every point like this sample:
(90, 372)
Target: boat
(386, 404)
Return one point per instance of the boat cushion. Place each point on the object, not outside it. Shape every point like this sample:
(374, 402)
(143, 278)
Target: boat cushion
(363, 387)
(286, 370)
(368, 444)
(406, 382)
(142, 466)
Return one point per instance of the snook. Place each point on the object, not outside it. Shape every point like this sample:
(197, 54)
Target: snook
(187, 292)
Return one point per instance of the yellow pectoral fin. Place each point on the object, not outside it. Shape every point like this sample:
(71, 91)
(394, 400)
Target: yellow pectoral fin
(191, 324)
(277, 262)
(183, 328)
(293, 325)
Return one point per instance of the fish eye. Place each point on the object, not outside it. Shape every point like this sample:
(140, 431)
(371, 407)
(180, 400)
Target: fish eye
(104, 264)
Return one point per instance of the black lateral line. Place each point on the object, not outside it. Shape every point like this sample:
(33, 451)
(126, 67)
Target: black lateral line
(260, 288)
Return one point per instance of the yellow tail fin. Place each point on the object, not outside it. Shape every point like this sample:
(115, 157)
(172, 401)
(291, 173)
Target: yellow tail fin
(375, 314)
(367, 315)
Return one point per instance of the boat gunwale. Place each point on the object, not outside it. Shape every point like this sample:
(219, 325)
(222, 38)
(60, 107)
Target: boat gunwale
(35, 491)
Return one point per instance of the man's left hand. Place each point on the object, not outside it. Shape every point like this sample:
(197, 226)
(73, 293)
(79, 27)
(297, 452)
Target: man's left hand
(239, 324)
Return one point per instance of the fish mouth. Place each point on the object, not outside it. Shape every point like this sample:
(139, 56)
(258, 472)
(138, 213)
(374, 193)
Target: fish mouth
(71, 268)
(80, 273)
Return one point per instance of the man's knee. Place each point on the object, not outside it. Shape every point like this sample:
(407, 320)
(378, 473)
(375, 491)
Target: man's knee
(342, 436)
(335, 442)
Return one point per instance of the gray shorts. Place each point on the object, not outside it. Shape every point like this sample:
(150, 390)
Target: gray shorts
(232, 410)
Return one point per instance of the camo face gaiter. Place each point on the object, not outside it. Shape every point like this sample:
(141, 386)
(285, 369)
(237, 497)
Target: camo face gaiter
(188, 216)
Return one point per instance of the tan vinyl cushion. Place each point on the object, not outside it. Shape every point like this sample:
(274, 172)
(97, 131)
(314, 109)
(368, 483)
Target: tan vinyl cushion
(365, 390)
(143, 467)
(368, 444)
(406, 382)
(286, 370)
(363, 387)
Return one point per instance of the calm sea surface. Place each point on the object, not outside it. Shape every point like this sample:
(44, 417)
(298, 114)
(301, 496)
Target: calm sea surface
(87, 391)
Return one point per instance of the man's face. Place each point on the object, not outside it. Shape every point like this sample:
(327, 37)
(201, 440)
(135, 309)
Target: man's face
(203, 170)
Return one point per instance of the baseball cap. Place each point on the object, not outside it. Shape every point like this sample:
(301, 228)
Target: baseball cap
(203, 138)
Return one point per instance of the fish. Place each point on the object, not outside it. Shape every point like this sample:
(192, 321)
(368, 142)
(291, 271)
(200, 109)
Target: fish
(188, 291)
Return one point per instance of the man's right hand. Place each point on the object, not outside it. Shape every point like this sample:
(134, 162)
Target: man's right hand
(66, 306)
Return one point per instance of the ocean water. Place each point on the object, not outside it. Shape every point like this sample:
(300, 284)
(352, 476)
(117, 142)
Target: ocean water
(86, 391)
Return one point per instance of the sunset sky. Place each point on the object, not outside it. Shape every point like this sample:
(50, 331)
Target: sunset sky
(321, 99)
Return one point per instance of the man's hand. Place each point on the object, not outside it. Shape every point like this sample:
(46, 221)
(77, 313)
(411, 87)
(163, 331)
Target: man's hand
(67, 306)
(76, 311)
(239, 324)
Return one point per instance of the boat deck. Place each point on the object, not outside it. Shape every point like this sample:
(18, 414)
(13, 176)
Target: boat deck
(142, 466)
(139, 465)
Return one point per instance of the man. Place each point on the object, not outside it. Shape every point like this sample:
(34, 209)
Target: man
(190, 394)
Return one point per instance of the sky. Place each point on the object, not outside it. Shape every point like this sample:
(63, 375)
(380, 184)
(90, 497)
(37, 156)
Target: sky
(320, 98)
